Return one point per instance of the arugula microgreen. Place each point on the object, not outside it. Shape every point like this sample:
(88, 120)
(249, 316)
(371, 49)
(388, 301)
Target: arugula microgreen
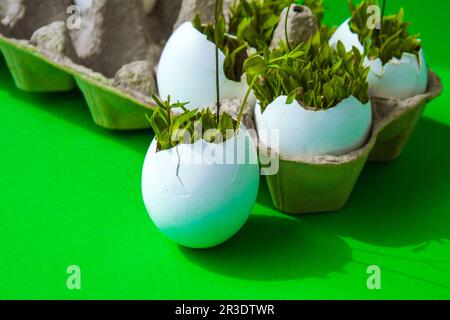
(391, 41)
(255, 21)
(312, 73)
(188, 126)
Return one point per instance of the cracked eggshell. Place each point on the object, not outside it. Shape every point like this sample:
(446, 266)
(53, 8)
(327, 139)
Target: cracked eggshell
(195, 202)
(347, 37)
(306, 133)
(398, 79)
(187, 70)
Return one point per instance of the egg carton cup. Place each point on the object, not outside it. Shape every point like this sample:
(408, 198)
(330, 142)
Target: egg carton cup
(324, 183)
(405, 115)
(111, 58)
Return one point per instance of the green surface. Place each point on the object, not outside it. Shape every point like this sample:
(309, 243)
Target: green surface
(32, 74)
(70, 195)
(110, 107)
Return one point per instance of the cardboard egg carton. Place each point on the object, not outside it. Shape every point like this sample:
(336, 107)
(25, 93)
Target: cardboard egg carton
(324, 183)
(110, 52)
(111, 56)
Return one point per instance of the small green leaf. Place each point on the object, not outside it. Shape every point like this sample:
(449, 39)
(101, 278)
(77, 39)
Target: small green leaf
(291, 97)
(255, 65)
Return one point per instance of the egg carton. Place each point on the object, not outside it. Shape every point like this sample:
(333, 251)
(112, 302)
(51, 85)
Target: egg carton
(324, 183)
(112, 59)
(111, 56)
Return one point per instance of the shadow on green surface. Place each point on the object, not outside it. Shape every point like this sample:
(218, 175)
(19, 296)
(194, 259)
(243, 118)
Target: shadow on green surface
(275, 248)
(402, 203)
(71, 107)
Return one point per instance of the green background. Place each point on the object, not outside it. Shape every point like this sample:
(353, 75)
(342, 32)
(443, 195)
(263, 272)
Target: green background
(70, 195)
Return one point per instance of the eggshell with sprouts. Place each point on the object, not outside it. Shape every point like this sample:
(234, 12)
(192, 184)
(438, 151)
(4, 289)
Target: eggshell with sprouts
(187, 70)
(399, 78)
(307, 133)
(196, 201)
(347, 37)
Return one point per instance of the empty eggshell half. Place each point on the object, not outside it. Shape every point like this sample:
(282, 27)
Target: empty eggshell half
(399, 78)
(307, 133)
(187, 70)
(196, 201)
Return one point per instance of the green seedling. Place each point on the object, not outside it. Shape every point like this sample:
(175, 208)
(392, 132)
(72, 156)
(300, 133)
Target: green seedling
(312, 73)
(391, 41)
(234, 49)
(255, 21)
(188, 126)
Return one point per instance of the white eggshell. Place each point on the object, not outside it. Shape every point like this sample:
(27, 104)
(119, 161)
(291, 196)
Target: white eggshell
(83, 4)
(399, 79)
(347, 37)
(187, 70)
(306, 133)
(194, 201)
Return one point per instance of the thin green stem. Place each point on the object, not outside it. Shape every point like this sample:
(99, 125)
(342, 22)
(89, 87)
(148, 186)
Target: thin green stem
(218, 9)
(380, 32)
(286, 34)
(217, 83)
(244, 103)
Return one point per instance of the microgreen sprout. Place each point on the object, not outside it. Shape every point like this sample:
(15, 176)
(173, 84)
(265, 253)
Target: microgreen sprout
(286, 34)
(391, 41)
(255, 21)
(312, 73)
(234, 49)
(218, 21)
(188, 126)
